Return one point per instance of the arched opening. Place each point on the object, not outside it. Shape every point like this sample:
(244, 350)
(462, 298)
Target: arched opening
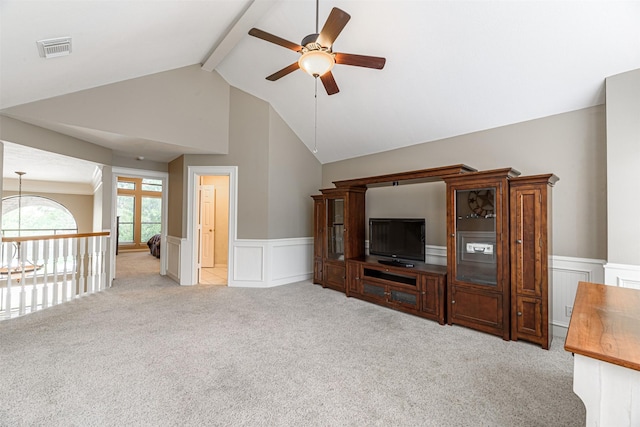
(35, 216)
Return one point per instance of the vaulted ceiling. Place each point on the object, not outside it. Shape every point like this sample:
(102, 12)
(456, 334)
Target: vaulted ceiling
(453, 67)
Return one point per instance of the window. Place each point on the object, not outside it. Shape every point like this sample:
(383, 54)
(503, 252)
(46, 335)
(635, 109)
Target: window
(139, 211)
(35, 216)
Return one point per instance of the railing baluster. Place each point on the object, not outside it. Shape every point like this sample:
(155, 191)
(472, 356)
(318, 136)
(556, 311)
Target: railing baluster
(56, 296)
(90, 267)
(81, 258)
(21, 264)
(65, 283)
(46, 295)
(74, 254)
(103, 271)
(35, 245)
(8, 251)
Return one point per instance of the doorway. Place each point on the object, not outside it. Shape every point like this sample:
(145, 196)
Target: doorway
(213, 229)
(191, 274)
(158, 180)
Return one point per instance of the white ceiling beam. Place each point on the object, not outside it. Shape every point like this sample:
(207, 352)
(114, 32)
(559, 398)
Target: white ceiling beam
(254, 11)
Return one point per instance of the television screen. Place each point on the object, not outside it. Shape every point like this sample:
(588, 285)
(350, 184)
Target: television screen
(401, 238)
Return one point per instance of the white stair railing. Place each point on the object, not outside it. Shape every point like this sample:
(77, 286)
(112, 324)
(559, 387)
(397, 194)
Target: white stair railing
(43, 271)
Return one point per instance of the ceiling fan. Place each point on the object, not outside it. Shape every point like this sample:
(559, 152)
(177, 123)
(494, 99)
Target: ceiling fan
(317, 58)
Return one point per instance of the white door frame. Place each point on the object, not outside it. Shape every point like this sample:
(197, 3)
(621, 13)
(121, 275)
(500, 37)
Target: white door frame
(141, 173)
(193, 178)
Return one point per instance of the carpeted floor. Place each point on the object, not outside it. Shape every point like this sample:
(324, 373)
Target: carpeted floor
(148, 352)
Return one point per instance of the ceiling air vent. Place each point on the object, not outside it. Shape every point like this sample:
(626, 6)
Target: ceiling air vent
(50, 48)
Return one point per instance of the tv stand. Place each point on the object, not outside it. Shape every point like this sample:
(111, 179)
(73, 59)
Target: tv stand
(396, 263)
(419, 290)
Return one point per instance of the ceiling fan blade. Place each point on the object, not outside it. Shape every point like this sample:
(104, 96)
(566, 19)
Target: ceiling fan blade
(274, 39)
(329, 83)
(335, 23)
(286, 70)
(360, 60)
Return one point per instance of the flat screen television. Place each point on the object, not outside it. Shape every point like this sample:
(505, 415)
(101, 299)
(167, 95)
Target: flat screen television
(397, 238)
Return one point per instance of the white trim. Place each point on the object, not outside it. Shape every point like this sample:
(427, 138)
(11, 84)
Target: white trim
(193, 173)
(436, 255)
(96, 179)
(623, 275)
(141, 173)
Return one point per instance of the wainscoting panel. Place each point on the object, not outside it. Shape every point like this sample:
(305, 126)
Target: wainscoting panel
(566, 273)
(173, 257)
(623, 275)
(272, 262)
(290, 260)
(248, 262)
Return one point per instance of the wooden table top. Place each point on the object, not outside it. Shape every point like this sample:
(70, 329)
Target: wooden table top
(605, 324)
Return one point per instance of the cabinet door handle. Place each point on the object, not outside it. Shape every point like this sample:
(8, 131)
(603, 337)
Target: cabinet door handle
(453, 235)
(453, 301)
(519, 241)
(519, 313)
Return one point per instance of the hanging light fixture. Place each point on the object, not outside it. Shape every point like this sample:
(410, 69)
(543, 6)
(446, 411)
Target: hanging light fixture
(316, 62)
(18, 264)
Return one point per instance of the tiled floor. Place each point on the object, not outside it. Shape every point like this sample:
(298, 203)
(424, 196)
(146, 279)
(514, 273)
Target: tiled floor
(213, 276)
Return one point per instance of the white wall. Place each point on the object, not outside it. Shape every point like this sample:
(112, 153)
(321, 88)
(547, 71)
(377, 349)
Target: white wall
(623, 184)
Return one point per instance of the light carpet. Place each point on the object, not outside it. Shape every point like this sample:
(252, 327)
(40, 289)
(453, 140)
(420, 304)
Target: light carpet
(148, 352)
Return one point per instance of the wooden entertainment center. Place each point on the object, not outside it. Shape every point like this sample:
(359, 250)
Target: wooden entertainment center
(497, 278)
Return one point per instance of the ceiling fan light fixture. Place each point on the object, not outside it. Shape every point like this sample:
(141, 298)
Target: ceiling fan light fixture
(316, 62)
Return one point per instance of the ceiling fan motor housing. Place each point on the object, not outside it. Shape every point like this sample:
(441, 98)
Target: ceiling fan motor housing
(309, 42)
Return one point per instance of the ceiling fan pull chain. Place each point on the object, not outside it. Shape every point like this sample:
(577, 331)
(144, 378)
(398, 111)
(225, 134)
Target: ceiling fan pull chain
(315, 119)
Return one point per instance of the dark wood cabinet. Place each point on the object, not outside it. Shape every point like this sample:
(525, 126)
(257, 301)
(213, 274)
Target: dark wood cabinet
(338, 234)
(497, 278)
(530, 242)
(418, 290)
(478, 250)
(318, 238)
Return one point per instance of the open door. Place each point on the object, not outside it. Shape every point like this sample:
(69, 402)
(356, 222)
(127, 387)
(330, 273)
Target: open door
(207, 225)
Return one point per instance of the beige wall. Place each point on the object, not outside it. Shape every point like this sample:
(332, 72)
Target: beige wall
(294, 175)
(571, 145)
(177, 198)
(184, 107)
(276, 172)
(80, 206)
(248, 150)
(623, 164)
(33, 136)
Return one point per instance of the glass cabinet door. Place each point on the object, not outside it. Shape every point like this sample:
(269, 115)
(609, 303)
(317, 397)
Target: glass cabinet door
(475, 224)
(335, 229)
